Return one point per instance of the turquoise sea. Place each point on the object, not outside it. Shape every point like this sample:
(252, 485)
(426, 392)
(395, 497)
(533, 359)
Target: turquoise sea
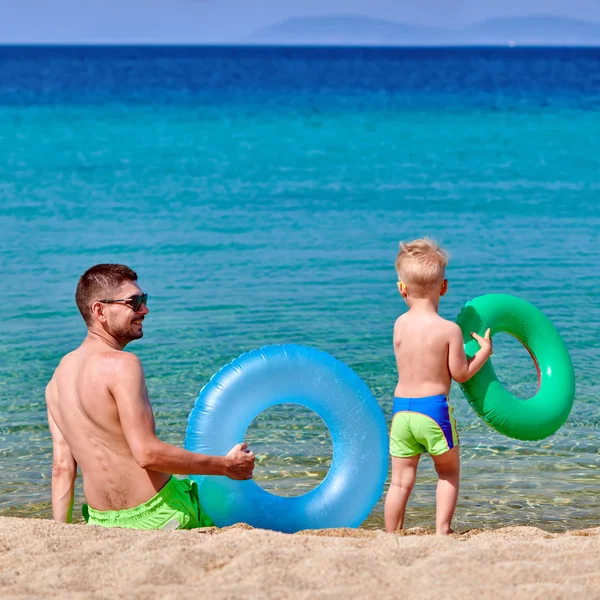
(261, 194)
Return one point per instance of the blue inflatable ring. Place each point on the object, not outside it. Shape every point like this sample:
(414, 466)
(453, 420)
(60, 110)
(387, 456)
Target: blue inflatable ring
(255, 381)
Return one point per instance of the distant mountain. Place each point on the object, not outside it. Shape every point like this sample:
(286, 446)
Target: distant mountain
(357, 30)
(343, 30)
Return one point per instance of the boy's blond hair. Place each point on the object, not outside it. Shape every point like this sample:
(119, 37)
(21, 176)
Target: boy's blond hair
(421, 265)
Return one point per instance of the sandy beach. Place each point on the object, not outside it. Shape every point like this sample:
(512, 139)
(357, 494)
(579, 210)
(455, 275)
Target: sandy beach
(43, 559)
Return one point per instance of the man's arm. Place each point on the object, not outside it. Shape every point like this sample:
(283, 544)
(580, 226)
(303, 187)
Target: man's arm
(128, 387)
(64, 472)
(461, 368)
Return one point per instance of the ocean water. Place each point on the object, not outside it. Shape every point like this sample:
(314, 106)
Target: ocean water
(261, 194)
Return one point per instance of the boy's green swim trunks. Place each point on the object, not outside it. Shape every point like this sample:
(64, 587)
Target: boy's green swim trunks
(422, 425)
(176, 506)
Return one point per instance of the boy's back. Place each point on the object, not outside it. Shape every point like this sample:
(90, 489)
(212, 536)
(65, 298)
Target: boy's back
(421, 343)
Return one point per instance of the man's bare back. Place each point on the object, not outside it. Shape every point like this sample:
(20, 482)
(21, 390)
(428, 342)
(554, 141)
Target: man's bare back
(84, 409)
(100, 415)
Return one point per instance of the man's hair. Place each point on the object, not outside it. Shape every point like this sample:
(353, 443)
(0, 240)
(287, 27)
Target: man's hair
(421, 265)
(97, 283)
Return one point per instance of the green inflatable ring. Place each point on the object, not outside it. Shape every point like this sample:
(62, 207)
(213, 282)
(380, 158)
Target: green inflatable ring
(540, 416)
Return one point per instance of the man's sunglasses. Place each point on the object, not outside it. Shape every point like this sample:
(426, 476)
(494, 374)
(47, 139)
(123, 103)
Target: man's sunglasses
(135, 302)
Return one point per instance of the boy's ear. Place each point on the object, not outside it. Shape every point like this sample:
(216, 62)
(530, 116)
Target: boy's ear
(402, 289)
(444, 287)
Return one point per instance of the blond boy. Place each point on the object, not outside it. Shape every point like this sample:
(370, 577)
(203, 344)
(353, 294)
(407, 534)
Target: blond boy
(429, 354)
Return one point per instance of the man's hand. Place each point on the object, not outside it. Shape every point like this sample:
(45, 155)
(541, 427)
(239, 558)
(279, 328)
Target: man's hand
(240, 462)
(485, 343)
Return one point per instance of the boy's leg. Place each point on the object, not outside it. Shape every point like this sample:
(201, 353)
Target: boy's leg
(404, 474)
(447, 466)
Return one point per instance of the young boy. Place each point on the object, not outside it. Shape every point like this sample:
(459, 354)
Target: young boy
(429, 354)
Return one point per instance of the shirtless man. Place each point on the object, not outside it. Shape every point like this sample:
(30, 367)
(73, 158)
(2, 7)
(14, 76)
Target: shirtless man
(101, 420)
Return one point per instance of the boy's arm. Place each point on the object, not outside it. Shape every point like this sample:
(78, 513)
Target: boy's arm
(461, 368)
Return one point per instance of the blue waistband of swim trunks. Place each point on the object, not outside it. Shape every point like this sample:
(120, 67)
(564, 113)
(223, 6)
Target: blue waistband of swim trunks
(418, 403)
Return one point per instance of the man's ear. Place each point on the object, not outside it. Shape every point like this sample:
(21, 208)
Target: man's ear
(444, 287)
(98, 309)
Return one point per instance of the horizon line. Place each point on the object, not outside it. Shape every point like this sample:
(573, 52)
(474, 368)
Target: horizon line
(141, 44)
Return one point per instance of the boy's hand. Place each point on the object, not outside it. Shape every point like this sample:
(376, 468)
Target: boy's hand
(240, 462)
(485, 342)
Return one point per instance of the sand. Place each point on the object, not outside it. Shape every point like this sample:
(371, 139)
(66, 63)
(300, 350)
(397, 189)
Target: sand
(43, 559)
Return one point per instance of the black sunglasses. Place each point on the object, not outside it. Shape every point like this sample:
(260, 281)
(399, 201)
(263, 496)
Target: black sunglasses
(135, 302)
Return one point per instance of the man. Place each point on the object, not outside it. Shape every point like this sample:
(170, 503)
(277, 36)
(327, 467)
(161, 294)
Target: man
(101, 420)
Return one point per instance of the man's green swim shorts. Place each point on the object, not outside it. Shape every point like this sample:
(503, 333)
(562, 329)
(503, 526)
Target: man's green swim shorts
(422, 425)
(176, 506)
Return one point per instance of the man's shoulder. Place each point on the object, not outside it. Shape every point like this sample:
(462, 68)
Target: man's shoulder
(62, 367)
(114, 368)
(67, 358)
(117, 360)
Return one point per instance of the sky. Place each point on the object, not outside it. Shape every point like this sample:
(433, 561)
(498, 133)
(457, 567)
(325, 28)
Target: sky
(220, 21)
